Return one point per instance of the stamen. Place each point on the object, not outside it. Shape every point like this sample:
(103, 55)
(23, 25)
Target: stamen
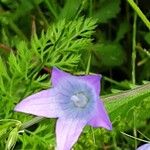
(80, 100)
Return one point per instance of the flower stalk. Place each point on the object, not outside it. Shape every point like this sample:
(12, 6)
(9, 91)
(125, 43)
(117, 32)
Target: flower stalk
(140, 13)
(134, 48)
(31, 122)
(117, 97)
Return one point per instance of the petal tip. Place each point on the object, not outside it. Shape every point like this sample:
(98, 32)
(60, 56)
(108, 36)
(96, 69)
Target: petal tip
(109, 127)
(18, 108)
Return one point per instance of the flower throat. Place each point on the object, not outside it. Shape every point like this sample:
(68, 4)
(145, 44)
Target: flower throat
(80, 100)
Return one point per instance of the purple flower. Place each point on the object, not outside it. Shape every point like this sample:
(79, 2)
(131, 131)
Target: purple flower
(74, 100)
(144, 147)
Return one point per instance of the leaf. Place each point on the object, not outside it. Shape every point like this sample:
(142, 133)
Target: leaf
(123, 29)
(70, 9)
(12, 139)
(3, 70)
(108, 55)
(19, 10)
(108, 10)
(61, 46)
(120, 104)
(63, 43)
(147, 37)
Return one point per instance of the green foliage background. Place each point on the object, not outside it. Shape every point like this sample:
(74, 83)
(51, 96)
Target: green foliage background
(36, 35)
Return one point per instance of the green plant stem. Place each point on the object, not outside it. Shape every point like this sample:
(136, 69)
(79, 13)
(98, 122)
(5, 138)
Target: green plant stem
(79, 10)
(143, 50)
(90, 8)
(93, 135)
(88, 64)
(50, 7)
(6, 48)
(31, 122)
(18, 31)
(134, 129)
(128, 93)
(114, 141)
(115, 82)
(135, 138)
(143, 135)
(143, 61)
(87, 72)
(43, 17)
(140, 13)
(133, 67)
(134, 48)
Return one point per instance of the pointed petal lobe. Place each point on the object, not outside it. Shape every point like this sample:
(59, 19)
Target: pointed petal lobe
(68, 132)
(58, 75)
(93, 80)
(41, 104)
(101, 118)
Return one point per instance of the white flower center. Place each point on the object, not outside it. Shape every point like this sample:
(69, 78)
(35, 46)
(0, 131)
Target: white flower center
(80, 100)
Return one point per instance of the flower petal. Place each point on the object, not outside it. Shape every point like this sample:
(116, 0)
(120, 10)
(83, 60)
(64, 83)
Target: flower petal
(93, 80)
(41, 104)
(57, 75)
(144, 147)
(68, 132)
(101, 118)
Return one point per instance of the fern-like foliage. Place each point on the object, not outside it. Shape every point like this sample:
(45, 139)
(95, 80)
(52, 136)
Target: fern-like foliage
(22, 73)
(63, 43)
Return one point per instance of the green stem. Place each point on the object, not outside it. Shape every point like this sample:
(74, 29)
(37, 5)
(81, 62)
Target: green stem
(88, 64)
(134, 48)
(114, 141)
(135, 138)
(140, 13)
(50, 7)
(79, 10)
(87, 72)
(31, 122)
(143, 50)
(143, 135)
(18, 31)
(93, 135)
(90, 8)
(134, 129)
(115, 82)
(125, 94)
(43, 17)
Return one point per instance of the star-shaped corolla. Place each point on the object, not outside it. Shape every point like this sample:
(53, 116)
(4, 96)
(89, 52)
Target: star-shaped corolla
(74, 100)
